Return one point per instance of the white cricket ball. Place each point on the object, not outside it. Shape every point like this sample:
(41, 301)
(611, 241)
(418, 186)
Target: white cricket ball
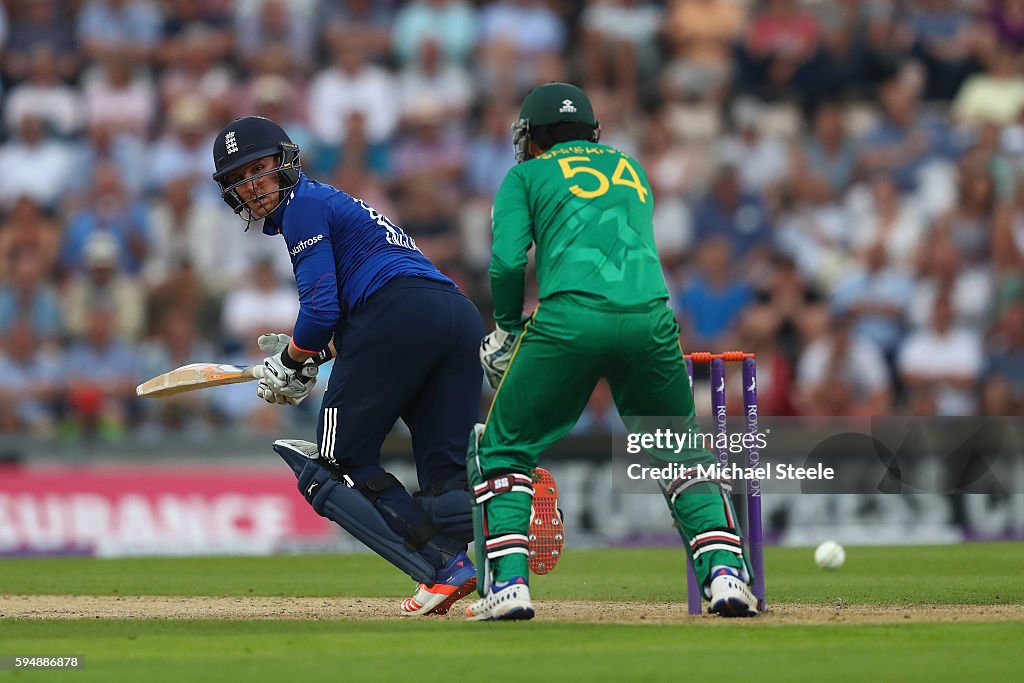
(829, 555)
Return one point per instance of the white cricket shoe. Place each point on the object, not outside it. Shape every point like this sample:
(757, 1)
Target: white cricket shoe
(508, 601)
(731, 597)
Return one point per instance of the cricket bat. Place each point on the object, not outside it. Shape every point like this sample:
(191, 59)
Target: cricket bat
(197, 376)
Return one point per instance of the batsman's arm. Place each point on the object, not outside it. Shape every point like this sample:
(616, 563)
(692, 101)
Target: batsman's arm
(513, 234)
(316, 279)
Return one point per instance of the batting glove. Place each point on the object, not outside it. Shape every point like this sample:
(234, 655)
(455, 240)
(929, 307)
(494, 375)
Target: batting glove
(267, 393)
(495, 354)
(287, 377)
(274, 343)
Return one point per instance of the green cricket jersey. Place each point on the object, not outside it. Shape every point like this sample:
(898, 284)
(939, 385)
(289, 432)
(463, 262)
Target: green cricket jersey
(588, 208)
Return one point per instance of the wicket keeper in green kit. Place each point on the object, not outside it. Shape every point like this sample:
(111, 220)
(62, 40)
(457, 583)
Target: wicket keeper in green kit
(603, 312)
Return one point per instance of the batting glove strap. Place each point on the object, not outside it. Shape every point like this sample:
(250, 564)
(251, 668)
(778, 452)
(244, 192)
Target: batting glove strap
(503, 483)
(289, 362)
(290, 381)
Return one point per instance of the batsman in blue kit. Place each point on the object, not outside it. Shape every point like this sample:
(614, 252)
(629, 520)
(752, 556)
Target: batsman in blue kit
(405, 340)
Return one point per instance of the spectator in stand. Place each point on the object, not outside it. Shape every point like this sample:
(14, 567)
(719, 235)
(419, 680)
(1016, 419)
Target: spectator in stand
(826, 149)
(198, 72)
(619, 44)
(699, 35)
(761, 159)
(370, 20)
(272, 60)
(781, 53)
(349, 86)
(798, 305)
(430, 146)
(118, 91)
(904, 139)
(109, 209)
(431, 77)
(429, 218)
(450, 23)
(877, 296)
(101, 284)
(101, 372)
(490, 151)
(671, 171)
(184, 149)
(32, 382)
(813, 229)
(46, 97)
(263, 302)
(26, 294)
(1004, 382)
(129, 28)
(969, 223)
(1008, 238)
(104, 142)
(287, 22)
(1005, 22)
(995, 96)
(710, 302)
(357, 152)
(184, 230)
(887, 41)
(946, 270)
(276, 98)
(179, 341)
(884, 216)
(841, 373)
(519, 45)
(946, 39)
(41, 24)
(186, 19)
(35, 164)
(27, 228)
(953, 383)
(183, 290)
(757, 332)
(740, 216)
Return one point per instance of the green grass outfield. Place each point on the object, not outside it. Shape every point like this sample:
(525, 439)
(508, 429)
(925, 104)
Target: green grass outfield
(450, 650)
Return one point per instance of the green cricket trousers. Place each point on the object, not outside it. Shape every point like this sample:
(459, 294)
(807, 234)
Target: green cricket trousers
(566, 347)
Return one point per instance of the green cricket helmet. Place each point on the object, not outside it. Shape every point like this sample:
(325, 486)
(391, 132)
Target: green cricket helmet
(550, 105)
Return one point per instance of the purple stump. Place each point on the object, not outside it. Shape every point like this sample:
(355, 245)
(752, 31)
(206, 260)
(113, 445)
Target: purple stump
(718, 410)
(694, 600)
(755, 540)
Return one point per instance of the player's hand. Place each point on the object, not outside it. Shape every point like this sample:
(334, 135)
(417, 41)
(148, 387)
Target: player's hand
(267, 393)
(495, 353)
(290, 382)
(273, 343)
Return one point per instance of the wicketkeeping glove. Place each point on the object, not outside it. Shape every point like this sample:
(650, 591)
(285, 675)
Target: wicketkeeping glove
(495, 353)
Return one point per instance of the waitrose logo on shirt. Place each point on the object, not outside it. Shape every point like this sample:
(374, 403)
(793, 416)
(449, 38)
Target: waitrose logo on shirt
(305, 243)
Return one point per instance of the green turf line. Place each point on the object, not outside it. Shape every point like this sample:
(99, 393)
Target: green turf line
(228, 651)
(984, 573)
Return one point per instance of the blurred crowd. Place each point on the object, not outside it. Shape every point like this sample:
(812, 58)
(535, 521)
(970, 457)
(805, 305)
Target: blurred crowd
(839, 184)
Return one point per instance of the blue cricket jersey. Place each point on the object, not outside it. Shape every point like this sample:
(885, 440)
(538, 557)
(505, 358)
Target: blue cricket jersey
(342, 251)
